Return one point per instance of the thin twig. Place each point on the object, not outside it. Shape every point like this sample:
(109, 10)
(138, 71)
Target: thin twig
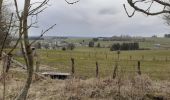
(147, 11)
(16, 8)
(71, 2)
(7, 33)
(127, 11)
(42, 34)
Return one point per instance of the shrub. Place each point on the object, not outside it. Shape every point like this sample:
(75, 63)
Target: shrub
(91, 44)
(125, 46)
(98, 45)
(71, 46)
(95, 39)
(64, 48)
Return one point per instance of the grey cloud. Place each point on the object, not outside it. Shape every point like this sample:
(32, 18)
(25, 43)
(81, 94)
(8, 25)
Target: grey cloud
(108, 11)
(96, 18)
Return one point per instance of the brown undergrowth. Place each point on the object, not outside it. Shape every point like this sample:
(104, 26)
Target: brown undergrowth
(120, 88)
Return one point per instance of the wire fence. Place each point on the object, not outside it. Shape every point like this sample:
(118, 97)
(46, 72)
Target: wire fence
(155, 65)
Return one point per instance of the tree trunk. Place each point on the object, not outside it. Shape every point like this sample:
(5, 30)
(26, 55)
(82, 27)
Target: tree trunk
(29, 56)
(72, 67)
(1, 1)
(115, 70)
(97, 69)
(37, 63)
(139, 71)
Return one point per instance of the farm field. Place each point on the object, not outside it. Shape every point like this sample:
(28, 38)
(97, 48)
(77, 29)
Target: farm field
(147, 43)
(154, 63)
(85, 50)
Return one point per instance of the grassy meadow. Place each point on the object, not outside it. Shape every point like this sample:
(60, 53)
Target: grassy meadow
(154, 62)
(153, 83)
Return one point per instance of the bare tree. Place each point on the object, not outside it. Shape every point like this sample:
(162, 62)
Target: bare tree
(28, 55)
(22, 27)
(166, 17)
(148, 8)
(6, 20)
(135, 4)
(25, 43)
(1, 1)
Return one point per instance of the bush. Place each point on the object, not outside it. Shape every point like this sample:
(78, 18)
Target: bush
(125, 46)
(98, 45)
(64, 48)
(167, 35)
(95, 39)
(38, 45)
(71, 46)
(91, 44)
(115, 47)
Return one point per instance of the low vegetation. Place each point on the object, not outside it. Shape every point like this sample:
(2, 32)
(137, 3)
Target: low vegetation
(122, 88)
(154, 63)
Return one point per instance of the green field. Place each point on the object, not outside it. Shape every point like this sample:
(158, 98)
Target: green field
(155, 63)
(148, 42)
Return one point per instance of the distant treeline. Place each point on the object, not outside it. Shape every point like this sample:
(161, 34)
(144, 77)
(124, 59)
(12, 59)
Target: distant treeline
(30, 38)
(121, 38)
(59, 38)
(118, 38)
(125, 46)
(42, 38)
(36, 38)
(167, 35)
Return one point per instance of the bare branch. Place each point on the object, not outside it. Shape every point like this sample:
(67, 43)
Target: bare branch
(71, 2)
(42, 33)
(162, 3)
(150, 6)
(24, 54)
(31, 25)
(17, 11)
(7, 33)
(127, 11)
(45, 2)
(14, 47)
(36, 13)
(147, 12)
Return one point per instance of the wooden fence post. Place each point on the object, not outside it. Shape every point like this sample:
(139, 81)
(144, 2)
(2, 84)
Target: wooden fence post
(106, 55)
(72, 69)
(130, 57)
(154, 58)
(37, 62)
(166, 59)
(115, 70)
(118, 54)
(9, 57)
(4, 66)
(97, 69)
(46, 53)
(37, 66)
(95, 54)
(142, 57)
(139, 70)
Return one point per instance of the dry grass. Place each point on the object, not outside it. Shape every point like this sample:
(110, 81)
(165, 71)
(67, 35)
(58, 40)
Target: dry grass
(121, 88)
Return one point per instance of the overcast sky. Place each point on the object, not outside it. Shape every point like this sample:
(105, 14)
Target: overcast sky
(97, 18)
